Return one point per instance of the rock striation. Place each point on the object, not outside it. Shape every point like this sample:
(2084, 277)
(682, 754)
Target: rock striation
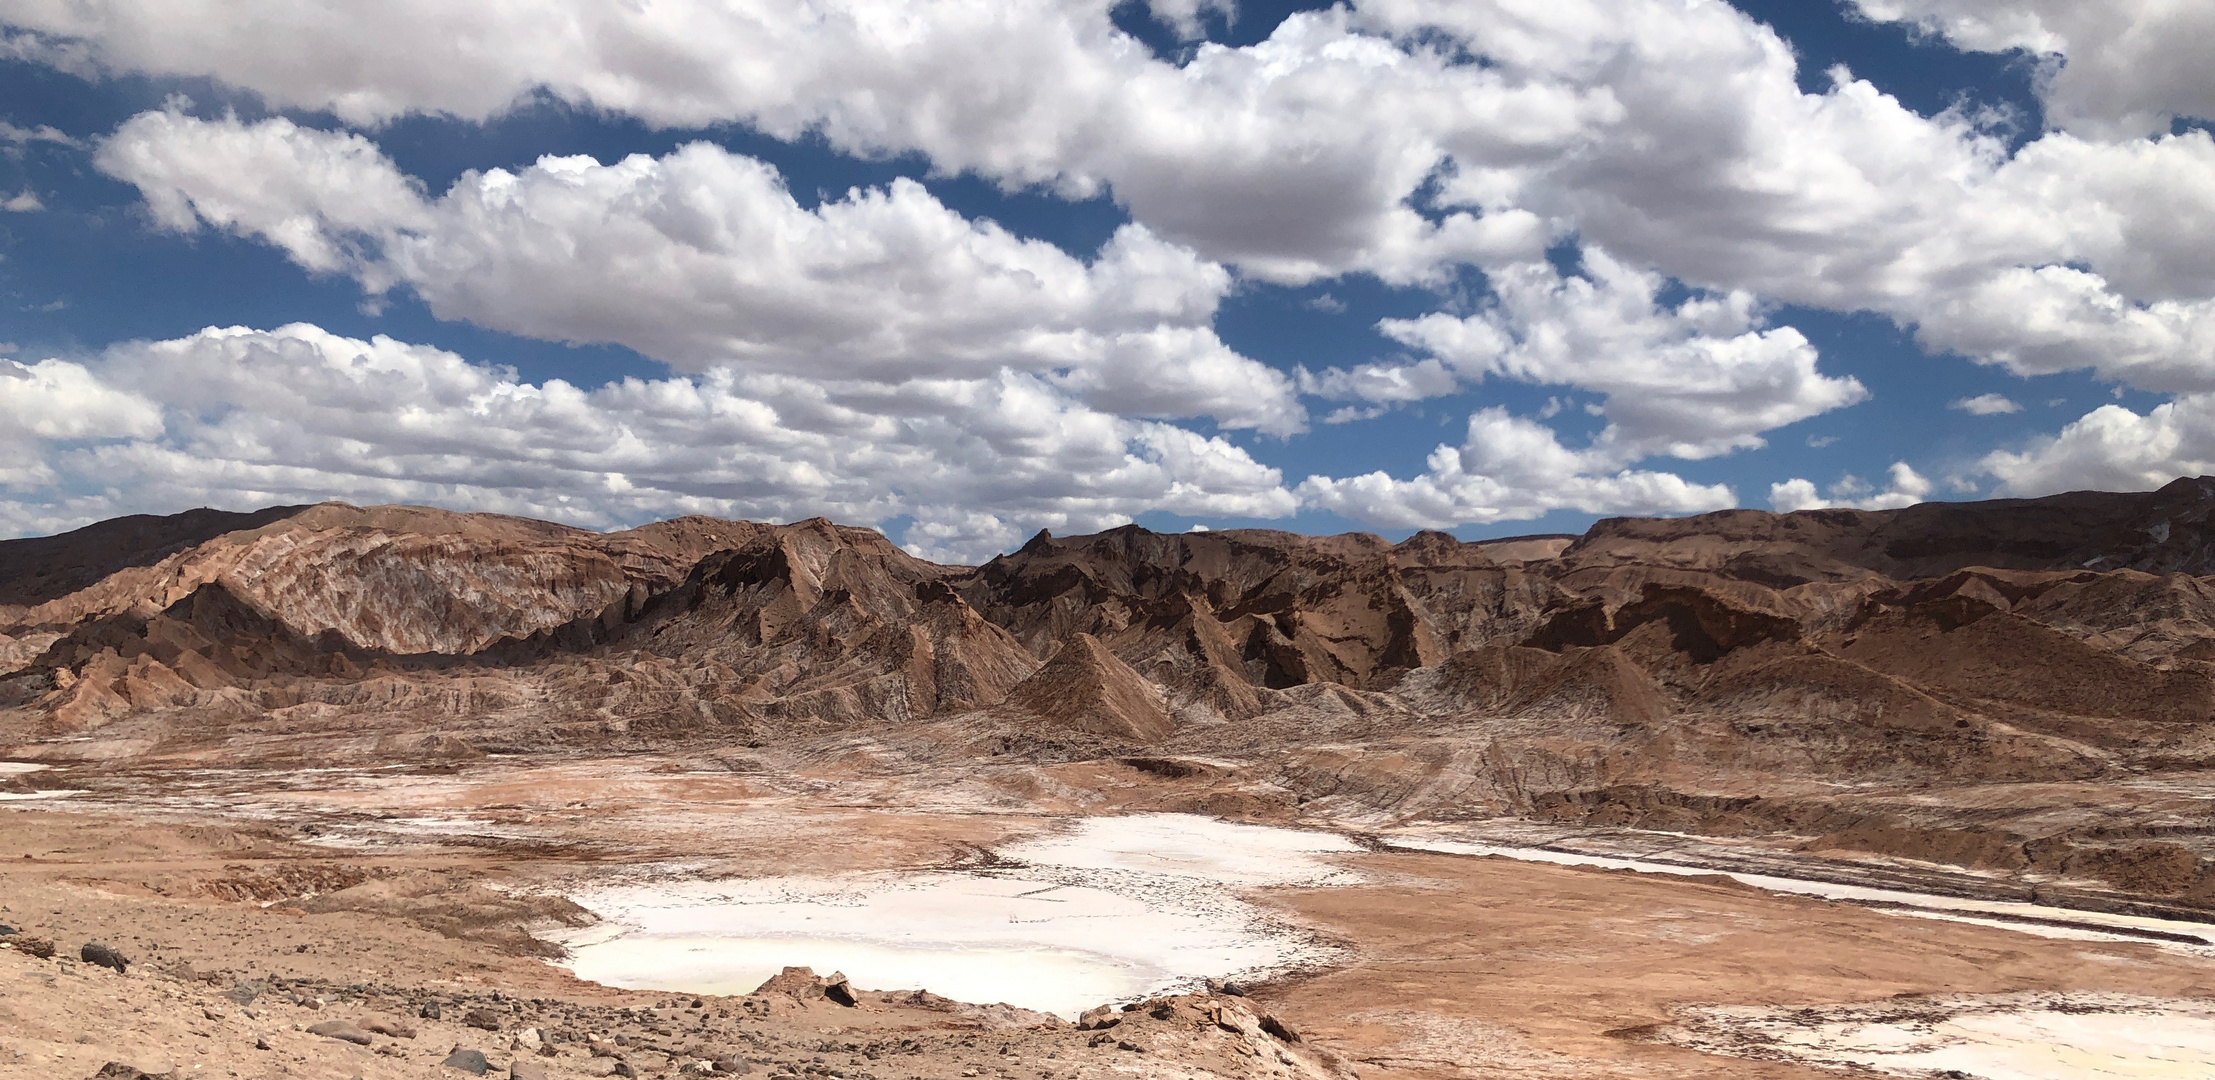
(1918, 682)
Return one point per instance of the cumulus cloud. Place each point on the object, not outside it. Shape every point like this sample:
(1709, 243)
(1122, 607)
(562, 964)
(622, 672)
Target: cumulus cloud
(1907, 487)
(2113, 448)
(1986, 405)
(1694, 380)
(55, 402)
(1361, 139)
(250, 417)
(2116, 68)
(1300, 178)
(1509, 468)
(1400, 138)
(703, 258)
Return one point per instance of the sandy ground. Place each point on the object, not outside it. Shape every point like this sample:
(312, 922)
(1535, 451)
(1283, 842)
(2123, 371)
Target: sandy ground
(379, 893)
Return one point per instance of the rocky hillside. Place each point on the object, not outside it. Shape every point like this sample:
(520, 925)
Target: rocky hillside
(1929, 682)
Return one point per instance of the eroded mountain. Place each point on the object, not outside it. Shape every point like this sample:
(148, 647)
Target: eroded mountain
(2022, 687)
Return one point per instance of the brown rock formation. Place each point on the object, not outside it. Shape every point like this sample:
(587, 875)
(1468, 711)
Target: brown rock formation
(1729, 671)
(1085, 688)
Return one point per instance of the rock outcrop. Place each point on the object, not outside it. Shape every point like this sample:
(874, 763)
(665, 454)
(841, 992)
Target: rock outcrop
(1735, 671)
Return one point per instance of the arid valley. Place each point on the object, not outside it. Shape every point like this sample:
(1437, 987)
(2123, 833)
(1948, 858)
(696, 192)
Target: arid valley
(395, 792)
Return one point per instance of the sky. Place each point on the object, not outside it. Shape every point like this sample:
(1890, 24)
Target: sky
(962, 270)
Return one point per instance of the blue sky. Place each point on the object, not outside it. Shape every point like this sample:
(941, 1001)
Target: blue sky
(1606, 256)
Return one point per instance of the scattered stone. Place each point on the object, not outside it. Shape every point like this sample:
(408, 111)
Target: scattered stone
(116, 1070)
(1097, 1018)
(733, 1065)
(1279, 1028)
(526, 1070)
(6, 930)
(244, 993)
(378, 1025)
(623, 1068)
(340, 1030)
(262, 1044)
(34, 946)
(838, 990)
(528, 1039)
(482, 1018)
(468, 1061)
(212, 1014)
(96, 953)
(429, 1011)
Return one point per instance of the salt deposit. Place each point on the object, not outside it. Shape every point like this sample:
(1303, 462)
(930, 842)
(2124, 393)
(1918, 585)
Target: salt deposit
(2088, 925)
(2000, 1037)
(1111, 908)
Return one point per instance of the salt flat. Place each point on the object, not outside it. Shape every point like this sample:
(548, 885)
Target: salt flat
(1107, 909)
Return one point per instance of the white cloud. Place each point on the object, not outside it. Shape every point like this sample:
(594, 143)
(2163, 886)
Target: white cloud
(47, 133)
(1986, 405)
(1186, 17)
(1670, 136)
(1509, 468)
(1907, 488)
(2112, 448)
(1696, 380)
(703, 258)
(56, 402)
(2117, 67)
(250, 417)
(23, 203)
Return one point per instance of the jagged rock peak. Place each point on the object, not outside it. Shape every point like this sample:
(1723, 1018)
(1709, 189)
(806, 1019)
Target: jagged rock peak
(1086, 688)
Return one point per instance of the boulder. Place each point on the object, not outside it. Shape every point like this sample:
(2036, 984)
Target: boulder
(803, 984)
(468, 1061)
(340, 1030)
(97, 953)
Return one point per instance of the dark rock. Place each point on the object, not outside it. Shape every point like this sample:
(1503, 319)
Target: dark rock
(340, 1030)
(244, 993)
(1098, 1017)
(733, 1065)
(429, 1011)
(468, 1061)
(262, 1044)
(96, 953)
(6, 930)
(1279, 1028)
(116, 1070)
(623, 1068)
(34, 946)
(482, 1018)
(839, 990)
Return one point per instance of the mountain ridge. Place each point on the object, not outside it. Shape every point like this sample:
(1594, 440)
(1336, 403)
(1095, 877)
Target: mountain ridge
(1743, 672)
